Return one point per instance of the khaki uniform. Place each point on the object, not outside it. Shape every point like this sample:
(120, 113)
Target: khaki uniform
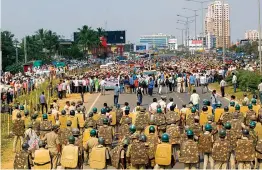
(42, 159)
(23, 160)
(74, 121)
(14, 113)
(52, 142)
(62, 120)
(90, 144)
(221, 153)
(18, 131)
(189, 154)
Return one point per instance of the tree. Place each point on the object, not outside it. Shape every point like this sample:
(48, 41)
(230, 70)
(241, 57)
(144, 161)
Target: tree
(8, 49)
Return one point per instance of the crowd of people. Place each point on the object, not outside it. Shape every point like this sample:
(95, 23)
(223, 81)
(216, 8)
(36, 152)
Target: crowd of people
(229, 137)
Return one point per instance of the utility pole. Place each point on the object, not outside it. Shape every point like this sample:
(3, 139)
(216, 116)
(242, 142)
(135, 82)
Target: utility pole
(25, 50)
(16, 51)
(259, 37)
(223, 32)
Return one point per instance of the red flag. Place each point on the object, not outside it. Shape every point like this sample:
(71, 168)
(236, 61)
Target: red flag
(103, 41)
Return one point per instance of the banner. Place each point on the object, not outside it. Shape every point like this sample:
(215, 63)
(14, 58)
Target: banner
(111, 83)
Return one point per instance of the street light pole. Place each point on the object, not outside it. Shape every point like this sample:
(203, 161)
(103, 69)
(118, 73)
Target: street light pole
(223, 32)
(259, 37)
(195, 11)
(182, 30)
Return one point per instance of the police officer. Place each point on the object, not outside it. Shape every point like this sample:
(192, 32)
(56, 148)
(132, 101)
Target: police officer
(189, 152)
(81, 119)
(221, 151)
(62, 119)
(35, 124)
(23, 159)
(106, 132)
(45, 126)
(163, 153)
(252, 132)
(190, 117)
(42, 158)
(70, 155)
(226, 116)
(240, 115)
(205, 146)
(73, 119)
(245, 151)
(160, 121)
(249, 114)
(15, 111)
(125, 122)
(101, 117)
(27, 118)
(51, 117)
(79, 144)
(90, 144)
(65, 133)
(119, 114)
(18, 131)
(99, 162)
(152, 141)
(118, 156)
(53, 145)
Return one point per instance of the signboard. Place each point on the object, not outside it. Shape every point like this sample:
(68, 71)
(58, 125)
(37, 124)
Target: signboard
(141, 48)
(111, 83)
(172, 41)
(116, 37)
(195, 43)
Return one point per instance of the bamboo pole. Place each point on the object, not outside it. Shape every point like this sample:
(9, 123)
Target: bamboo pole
(8, 124)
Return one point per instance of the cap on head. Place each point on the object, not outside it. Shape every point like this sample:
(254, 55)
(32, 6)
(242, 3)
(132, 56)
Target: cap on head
(63, 112)
(71, 140)
(142, 138)
(25, 146)
(45, 116)
(26, 112)
(93, 132)
(132, 128)
(237, 107)
(228, 125)
(252, 124)
(250, 106)
(152, 129)
(254, 101)
(94, 109)
(165, 137)
(101, 141)
(208, 127)
(193, 110)
(245, 132)
(222, 133)
(204, 108)
(189, 133)
(68, 123)
(75, 132)
(232, 103)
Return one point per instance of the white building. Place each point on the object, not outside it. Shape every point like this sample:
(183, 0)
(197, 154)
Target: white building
(172, 44)
(214, 23)
(159, 40)
(252, 35)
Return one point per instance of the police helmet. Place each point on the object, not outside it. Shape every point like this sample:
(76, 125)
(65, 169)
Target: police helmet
(72, 112)
(25, 146)
(94, 109)
(232, 103)
(103, 111)
(105, 121)
(250, 106)
(63, 112)
(75, 132)
(226, 109)
(26, 112)
(142, 138)
(189, 133)
(152, 129)
(208, 127)
(93, 132)
(193, 110)
(252, 124)
(245, 132)
(71, 139)
(101, 141)
(68, 123)
(222, 133)
(159, 110)
(132, 128)
(165, 137)
(204, 108)
(228, 125)
(237, 107)
(45, 116)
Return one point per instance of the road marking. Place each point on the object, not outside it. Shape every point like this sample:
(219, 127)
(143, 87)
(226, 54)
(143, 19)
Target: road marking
(94, 103)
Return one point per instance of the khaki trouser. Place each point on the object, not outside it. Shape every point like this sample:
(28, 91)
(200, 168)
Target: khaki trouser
(15, 143)
(175, 152)
(161, 167)
(208, 158)
(190, 166)
(220, 165)
(244, 165)
(232, 160)
(137, 167)
(54, 158)
(259, 162)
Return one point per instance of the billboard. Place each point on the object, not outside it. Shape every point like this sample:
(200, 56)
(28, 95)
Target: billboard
(172, 41)
(141, 48)
(116, 37)
(195, 43)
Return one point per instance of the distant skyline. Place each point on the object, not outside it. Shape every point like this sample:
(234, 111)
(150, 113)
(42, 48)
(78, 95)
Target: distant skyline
(137, 17)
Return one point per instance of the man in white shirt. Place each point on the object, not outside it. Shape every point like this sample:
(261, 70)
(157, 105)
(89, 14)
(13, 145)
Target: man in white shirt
(84, 85)
(169, 104)
(162, 103)
(222, 87)
(76, 84)
(153, 106)
(234, 82)
(194, 98)
(203, 82)
(64, 89)
(103, 85)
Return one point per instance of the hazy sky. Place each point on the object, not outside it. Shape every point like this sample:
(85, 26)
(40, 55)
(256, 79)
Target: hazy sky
(137, 17)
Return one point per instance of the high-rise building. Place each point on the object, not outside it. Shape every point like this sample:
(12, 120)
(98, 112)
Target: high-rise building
(215, 22)
(252, 35)
(160, 41)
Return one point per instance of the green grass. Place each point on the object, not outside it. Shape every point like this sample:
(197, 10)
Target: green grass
(229, 90)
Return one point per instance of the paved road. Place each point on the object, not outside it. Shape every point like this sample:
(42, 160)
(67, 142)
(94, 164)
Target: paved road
(97, 100)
